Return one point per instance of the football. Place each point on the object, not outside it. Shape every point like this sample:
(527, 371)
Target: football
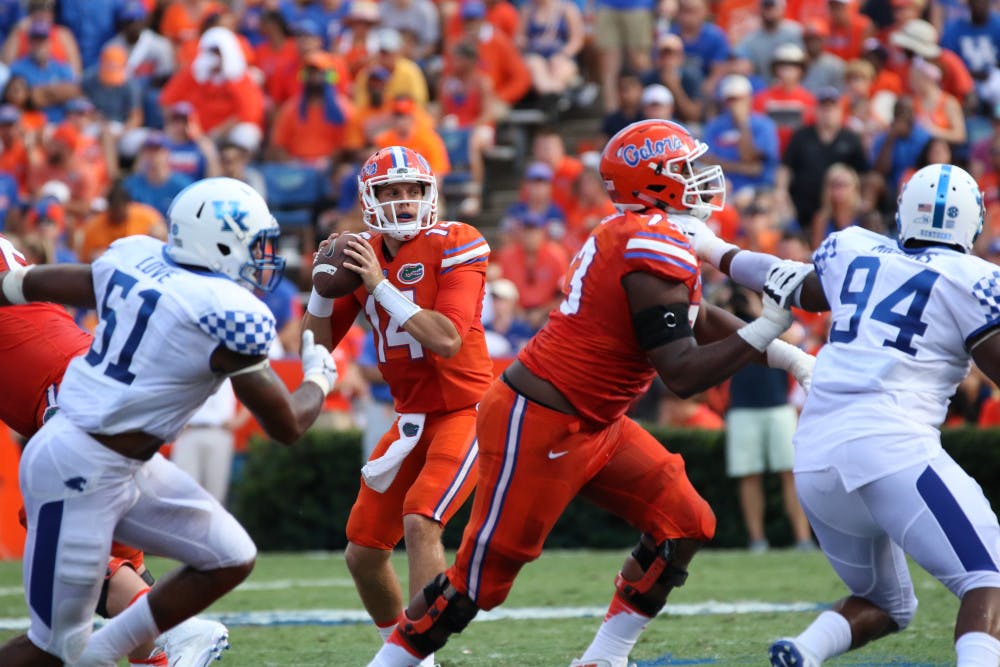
(329, 277)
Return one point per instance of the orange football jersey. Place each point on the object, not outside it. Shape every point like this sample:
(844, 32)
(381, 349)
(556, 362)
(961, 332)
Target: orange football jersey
(442, 269)
(588, 349)
(37, 341)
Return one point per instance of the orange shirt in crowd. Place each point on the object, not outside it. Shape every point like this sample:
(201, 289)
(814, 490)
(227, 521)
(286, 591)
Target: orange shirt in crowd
(274, 62)
(179, 25)
(216, 103)
(57, 43)
(804, 11)
(424, 140)
(955, 77)
(738, 18)
(539, 280)
(501, 15)
(564, 178)
(581, 219)
(313, 137)
(14, 161)
(846, 41)
(98, 232)
(789, 109)
(506, 67)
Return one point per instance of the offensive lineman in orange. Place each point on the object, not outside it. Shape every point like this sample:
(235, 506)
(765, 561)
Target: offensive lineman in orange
(422, 292)
(37, 341)
(554, 425)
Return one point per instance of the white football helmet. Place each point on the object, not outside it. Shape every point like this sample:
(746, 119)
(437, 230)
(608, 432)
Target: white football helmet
(397, 164)
(941, 204)
(224, 225)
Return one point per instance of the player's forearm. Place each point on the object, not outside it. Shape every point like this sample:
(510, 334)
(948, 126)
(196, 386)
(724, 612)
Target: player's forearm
(435, 332)
(320, 326)
(68, 284)
(689, 371)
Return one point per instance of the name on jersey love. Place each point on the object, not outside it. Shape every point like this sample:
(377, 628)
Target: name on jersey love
(633, 155)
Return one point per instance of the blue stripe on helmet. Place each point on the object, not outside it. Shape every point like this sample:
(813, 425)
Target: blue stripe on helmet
(941, 196)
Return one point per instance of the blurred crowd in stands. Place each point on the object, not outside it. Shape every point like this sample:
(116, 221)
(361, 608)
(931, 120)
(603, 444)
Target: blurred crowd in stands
(817, 110)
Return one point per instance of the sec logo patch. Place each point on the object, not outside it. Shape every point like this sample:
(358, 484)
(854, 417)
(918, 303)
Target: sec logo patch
(410, 273)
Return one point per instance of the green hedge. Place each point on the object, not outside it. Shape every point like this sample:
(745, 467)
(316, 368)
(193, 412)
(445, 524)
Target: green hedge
(294, 498)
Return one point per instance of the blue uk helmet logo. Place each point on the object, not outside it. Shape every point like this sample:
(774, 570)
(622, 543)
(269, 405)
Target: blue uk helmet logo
(233, 216)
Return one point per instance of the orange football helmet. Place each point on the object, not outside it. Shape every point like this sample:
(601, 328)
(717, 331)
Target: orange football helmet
(651, 163)
(397, 164)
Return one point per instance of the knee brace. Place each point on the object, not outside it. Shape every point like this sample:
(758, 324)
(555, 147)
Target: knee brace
(661, 575)
(448, 612)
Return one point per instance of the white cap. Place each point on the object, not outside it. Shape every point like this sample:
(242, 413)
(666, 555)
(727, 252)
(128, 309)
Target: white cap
(918, 36)
(389, 39)
(789, 53)
(735, 85)
(502, 288)
(55, 189)
(246, 135)
(657, 94)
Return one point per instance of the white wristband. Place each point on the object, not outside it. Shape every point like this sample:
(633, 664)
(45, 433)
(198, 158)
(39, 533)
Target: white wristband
(716, 250)
(320, 381)
(761, 332)
(13, 284)
(319, 306)
(782, 355)
(395, 302)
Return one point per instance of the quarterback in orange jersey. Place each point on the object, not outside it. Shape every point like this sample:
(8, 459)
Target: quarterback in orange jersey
(422, 292)
(554, 425)
(37, 341)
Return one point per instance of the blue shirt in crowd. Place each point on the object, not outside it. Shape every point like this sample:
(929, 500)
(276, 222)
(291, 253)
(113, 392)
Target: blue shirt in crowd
(722, 138)
(157, 196)
(8, 196)
(977, 45)
(92, 22)
(36, 74)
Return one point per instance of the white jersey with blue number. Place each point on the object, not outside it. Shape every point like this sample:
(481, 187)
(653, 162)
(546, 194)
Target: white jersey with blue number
(148, 367)
(901, 325)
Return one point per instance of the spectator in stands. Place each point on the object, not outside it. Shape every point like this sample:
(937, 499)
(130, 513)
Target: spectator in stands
(234, 160)
(11, 11)
(976, 40)
(989, 181)
(786, 101)
(534, 262)
(181, 20)
(314, 124)
(10, 202)
(896, 149)
(192, 153)
(657, 102)
(405, 77)
(841, 204)
(705, 45)
(96, 144)
(122, 217)
(500, 14)
(285, 83)
(812, 150)
(217, 85)
(590, 204)
(628, 108)
(14, 158)
(775, 30)
(551, 37)
(357, 40)
(849, 28)
(51, 82)
(506, 331)
(62, 45)
(623, 32)
(919, 38)
(151, 58)
(276, 54)
(980, 152)
(875, 52)
(406, 130)
(18, 95)
(117, 98)
(46, 218)
(866, 111)
(59, 162)
(744, 143)
(935, 110)
(92, 23)
(510, 75)
(668, 70)
(536, 202)
(153, 182)
(549, 148)
(417, 17)
(823, 69)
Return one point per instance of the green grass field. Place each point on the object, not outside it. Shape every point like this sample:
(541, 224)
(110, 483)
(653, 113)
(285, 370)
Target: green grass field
(300, 597)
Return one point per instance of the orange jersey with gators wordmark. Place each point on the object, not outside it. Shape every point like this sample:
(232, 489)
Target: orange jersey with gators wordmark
(442, 269)
(37, 341)
(588, 349)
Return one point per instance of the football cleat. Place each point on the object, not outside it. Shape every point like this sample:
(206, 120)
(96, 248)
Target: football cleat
(785, 653)
(195, 643)
(601, 662)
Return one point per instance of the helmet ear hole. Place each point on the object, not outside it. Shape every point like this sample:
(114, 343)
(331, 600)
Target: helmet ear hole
(224, 250)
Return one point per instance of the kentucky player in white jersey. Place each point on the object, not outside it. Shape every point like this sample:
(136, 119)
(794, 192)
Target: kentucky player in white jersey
(907, 318)
(176, 319)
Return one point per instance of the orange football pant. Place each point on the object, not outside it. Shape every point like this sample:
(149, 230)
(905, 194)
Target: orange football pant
(533, 461)
(435, 479)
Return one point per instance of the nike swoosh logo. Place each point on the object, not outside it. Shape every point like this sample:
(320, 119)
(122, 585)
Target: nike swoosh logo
(555, 455)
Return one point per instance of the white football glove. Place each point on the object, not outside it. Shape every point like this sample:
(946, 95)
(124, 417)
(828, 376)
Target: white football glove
(784, 281)
(709, 247)
(773, 321)
(793, 360)
(317, 364)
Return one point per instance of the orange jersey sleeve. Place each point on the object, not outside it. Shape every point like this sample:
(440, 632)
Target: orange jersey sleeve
(443, 269)
(37, 341)
(588, 348)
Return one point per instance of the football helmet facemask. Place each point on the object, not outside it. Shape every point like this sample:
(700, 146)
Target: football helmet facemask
(651, 164)
(224, 225)
(387, 166)
(940, 204)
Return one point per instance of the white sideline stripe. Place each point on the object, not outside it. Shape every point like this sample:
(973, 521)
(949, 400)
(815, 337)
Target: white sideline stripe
(358, 616)
(275, 585)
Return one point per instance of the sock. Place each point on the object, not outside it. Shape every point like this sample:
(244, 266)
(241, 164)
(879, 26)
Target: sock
(827, 637)
(618, 633)
(385, 630)
(977, 649)
(428, 661)
(121, 634)
(394, 654)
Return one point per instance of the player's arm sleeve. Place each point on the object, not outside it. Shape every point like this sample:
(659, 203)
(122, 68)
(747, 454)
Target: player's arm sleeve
(977, 313)
(662, 255)
(247, 332)
(459, 298)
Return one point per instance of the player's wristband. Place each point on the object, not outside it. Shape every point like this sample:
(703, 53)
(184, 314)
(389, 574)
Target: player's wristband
(782, 355)
(715, 250)
(759, 333)
(13, 285)
(319, 306)
(320, 381)
(395, 302)
(750, 268)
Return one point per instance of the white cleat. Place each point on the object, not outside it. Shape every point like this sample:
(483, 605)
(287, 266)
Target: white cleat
(195, 643)
(601, 662)
(786, 653)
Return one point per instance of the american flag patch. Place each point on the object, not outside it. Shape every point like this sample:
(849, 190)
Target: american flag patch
(925, 208)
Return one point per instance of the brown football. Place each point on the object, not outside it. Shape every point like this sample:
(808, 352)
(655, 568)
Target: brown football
(329, 277)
